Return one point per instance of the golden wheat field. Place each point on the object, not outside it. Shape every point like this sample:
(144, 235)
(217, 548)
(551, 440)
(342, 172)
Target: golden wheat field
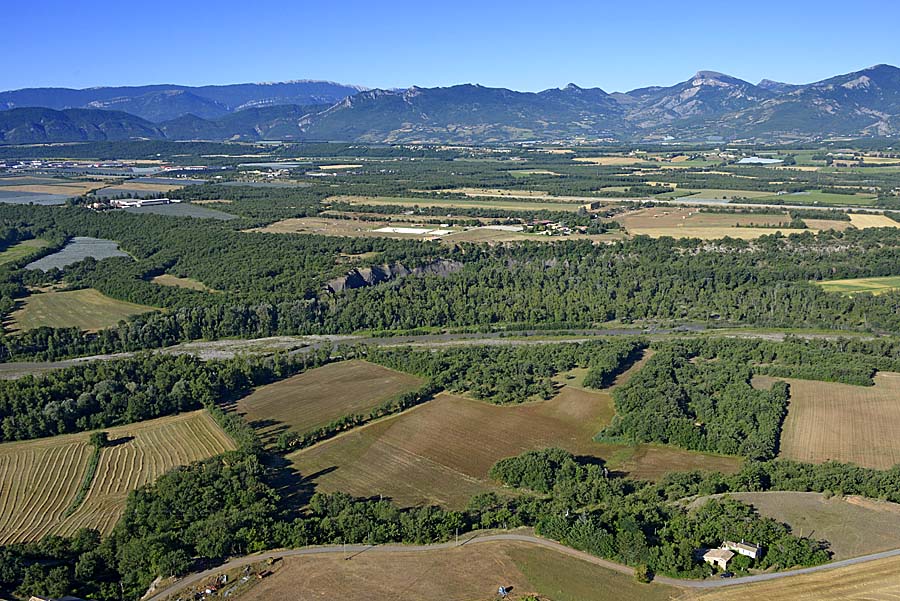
(39, 479)
(863, 221)
(830, 421)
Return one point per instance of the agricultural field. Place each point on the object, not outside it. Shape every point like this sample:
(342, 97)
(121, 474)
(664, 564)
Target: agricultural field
(719, 194)
(506, 202)
(404, 229)
(78, 249)
(189, 283)
(426, 455)
(682, 222)
(350, 227)
(830, 421)
(870, 581)
(853, 526)
(856, 285)
(44, 190)
(867, 220)
(86, 309)
(498, 192)
(611, 160)
(138, 187)
(530, 172)
(8, 196)
(470, 572)
(817, 197)
(22, 250)
(35, 505)
(340, 167)
(318, 396)
(54, 186)
(39, 480)
(827, 224)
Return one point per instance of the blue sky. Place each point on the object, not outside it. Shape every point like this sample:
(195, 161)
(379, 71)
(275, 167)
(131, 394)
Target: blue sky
(524, 44)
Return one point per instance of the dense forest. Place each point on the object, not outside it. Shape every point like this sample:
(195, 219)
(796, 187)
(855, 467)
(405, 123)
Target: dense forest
(274, 284)
(512, 374)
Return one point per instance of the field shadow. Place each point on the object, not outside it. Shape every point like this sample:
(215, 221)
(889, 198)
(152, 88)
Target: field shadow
(119, 441)
(269, 430)
(590, 460)
(294, 489)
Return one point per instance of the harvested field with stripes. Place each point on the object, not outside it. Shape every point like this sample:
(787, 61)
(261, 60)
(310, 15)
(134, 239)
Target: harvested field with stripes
(841, 422)
(318, 396)
(40, 478)
(38, 481)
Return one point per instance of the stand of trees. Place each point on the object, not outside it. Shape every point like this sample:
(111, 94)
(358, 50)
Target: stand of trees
(697, 394)
(513, 374)
(624, 520)
(100, 394)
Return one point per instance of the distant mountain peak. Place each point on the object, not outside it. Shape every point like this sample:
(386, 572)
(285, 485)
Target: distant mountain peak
(882, 67)
(711, 75)
(714, 78)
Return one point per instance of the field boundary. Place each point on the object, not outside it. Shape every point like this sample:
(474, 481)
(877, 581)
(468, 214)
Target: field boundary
(89, 475)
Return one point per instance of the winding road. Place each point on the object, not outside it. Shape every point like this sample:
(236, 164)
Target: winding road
(351, 551)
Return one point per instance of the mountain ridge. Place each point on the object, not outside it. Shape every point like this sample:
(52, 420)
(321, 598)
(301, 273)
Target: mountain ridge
(148, 102)
(707, 106)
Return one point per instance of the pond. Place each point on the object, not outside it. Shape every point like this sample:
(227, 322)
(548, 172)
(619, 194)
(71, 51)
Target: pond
(78, 249)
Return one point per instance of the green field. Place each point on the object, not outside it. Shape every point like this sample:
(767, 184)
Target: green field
(716, 193)
(854, 286)
(189, 283)
(817, 197)
(85, 309)
(22, 250)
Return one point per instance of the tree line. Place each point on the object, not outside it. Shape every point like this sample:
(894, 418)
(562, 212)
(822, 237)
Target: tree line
(100, 394)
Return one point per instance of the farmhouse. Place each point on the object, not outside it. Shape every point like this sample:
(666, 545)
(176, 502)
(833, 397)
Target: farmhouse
(746, 549)
(718, 558)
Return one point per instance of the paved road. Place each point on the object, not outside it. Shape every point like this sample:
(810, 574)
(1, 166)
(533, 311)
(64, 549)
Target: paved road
(351, 551)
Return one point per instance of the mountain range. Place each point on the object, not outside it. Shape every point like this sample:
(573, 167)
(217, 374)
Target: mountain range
(709, 106)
